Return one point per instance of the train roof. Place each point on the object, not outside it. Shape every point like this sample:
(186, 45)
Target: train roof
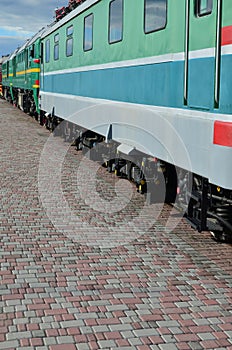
(43, 32)
(81, 8)
(30, 41)
(13, 54)
(23, 46)
(3, 59)
(27, 43)
(36, 36)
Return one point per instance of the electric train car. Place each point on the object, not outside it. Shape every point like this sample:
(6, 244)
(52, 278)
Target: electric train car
(1, 60)
(153, 78)
(7, 74)
(1, 79)
(21, 75)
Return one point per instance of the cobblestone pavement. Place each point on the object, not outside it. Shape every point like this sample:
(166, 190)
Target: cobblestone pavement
(158, 290)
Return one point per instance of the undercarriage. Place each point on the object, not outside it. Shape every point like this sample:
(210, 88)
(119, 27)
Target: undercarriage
(206, 207)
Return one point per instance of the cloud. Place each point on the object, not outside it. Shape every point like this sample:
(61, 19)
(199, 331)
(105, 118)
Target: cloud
(22, 18)
(9, 43)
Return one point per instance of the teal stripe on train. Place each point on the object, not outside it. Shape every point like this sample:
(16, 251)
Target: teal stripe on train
(147, 84)
(155, 84)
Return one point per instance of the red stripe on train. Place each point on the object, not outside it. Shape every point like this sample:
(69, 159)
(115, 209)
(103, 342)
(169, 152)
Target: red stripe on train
(226, 38)
(222, 133)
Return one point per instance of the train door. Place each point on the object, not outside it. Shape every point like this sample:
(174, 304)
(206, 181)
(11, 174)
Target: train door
(26, 66)
(202, 54)
(7, 69)
(41, 66)
(14, 67)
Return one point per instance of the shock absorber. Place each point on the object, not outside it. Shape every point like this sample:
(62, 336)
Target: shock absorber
(224, 212)
(223, 215)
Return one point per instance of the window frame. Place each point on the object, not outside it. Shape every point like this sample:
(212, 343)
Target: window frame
(56, 53)
(157, 28)
(47, 51)
(86, 49)
(69, 39)
(198, 9)
(114, 41)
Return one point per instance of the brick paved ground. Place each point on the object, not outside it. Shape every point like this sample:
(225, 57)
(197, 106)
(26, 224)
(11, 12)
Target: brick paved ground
(160, 290)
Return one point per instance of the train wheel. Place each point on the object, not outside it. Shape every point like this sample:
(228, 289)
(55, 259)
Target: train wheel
(220, 236)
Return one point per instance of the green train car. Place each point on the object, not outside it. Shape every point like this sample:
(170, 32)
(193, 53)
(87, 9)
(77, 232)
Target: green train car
(21, 76)
(7, 74)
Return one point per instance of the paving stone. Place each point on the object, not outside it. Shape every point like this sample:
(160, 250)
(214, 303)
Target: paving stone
(168, 323)
(18, 335)
(106, 344)
(67, 339)
(101, 329)
(134, 341)
(83, 346)
(168, 347)
(169, 339)
(206, 336)
(38, 334)
(201, 321)
(11, 344)
(116, 307)
(120, 327)
(50, 341)
(229, 334)
(195, 345)
(71, 323)
(145, 332)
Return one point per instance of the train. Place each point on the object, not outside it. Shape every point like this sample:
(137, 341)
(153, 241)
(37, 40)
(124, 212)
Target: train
(145, 86)
(1, 60)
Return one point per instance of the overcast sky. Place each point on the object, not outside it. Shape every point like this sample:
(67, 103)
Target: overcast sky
(20, 19)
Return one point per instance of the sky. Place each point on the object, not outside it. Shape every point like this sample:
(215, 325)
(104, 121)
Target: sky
(21, 19)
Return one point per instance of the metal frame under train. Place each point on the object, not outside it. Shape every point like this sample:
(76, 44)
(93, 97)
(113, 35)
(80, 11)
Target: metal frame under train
(206, 207)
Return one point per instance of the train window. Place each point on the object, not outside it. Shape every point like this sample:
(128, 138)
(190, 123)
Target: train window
(88, 33)
(155, 15)
(7, 69)
(69, 47)
(56, 47)
(32, 51)
(115, 21)
(203, 7)
(69, 31)
(69, 41)
(26, 58)
(47, 51)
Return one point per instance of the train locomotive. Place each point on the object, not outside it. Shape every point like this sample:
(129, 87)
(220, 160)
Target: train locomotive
(150, 80)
